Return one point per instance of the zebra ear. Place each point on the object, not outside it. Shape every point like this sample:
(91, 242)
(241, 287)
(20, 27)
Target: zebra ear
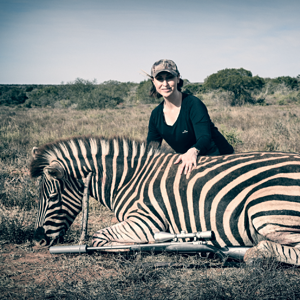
(54, 170)
(34, 152)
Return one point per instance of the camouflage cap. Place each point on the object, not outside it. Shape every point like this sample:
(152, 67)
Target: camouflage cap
(164, 65)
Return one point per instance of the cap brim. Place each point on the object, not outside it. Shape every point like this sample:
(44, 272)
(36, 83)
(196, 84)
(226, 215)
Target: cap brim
(166, 70)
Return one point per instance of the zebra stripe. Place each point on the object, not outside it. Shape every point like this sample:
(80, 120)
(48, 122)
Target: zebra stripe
(244, 198)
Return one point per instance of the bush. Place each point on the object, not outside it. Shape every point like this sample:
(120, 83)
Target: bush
(143, 92)
(42, 97)
(106, 95)
(13, 95)
(288, 81)
(98, 99)
(237, 81)
(81, 93)
(192, 88)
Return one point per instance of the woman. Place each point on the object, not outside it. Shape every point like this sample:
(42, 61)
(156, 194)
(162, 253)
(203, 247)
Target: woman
(182, 120)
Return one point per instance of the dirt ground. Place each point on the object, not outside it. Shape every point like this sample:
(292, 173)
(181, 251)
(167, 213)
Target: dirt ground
(32, 272)
(22, 266)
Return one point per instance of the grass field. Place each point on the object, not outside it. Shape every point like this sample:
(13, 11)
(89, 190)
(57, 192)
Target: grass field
(27, 272)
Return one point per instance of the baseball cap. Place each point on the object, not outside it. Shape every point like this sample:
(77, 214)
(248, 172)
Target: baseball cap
(164, 65)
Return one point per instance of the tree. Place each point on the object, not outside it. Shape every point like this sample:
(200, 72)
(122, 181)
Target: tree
(290, 82)
(47, 95)
(192, 88)
(143, 92)
(237, 81)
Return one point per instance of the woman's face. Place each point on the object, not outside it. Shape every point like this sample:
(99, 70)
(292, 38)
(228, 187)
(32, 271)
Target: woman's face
(165, 83)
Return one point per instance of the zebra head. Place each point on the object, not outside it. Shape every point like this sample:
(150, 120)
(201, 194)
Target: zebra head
(60, 197)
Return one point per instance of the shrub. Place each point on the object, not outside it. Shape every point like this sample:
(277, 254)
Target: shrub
(288, 81)
(106, 95)
(143, 92)
(12, 95)
(99, 100)
(193, 88)
(42, 97)
(82, 93)
(237, 81)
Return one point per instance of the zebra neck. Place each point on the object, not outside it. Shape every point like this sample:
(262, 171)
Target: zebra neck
(121, 169)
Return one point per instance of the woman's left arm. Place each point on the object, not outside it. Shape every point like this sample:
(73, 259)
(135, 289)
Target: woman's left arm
(201, 124)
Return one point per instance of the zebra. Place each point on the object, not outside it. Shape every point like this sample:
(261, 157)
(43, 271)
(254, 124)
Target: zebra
(246, 199)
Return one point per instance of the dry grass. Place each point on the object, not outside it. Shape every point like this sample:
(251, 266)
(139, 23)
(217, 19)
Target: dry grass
(101, 276)
(262, 128)
(255, 126)
(107, 276)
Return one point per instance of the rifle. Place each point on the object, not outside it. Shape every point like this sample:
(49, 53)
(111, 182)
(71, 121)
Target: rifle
(199, 244)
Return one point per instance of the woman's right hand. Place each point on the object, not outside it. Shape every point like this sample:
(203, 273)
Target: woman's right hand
(188, 161)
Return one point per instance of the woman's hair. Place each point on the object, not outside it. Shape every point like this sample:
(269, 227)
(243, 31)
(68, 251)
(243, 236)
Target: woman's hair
(153, 93)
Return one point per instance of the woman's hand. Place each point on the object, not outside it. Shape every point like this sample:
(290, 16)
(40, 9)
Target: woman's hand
(188, 159)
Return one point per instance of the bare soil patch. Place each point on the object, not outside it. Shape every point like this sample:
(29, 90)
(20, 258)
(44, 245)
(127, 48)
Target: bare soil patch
(34, 273)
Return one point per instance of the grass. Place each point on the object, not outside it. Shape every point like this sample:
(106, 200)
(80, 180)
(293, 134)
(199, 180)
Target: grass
(108, 276)
(105, 276)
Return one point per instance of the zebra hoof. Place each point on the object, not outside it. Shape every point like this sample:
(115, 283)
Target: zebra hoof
(254, 256)
(252, 262)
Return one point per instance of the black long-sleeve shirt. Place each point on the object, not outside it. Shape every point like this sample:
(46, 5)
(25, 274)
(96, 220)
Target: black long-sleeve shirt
(193, 128)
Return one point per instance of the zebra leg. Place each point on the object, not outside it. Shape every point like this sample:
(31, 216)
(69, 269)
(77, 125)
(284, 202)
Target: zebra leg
(278, 238)
(126, 232)
(269, 249)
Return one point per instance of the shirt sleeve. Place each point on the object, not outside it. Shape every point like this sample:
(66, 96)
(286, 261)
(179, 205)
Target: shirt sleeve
(201, 125)
(153, 133)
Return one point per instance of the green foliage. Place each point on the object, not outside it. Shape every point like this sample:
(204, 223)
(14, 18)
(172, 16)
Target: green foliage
(237, 81)
(116, 89)
(239, 86)
(192, 88)
(42, 97)
(106, 95)
(13, 94)
(283, 85)
(143, 92)
(98, 99)
(81, 86)
(65, 93)
(290, 82)
(81, 93)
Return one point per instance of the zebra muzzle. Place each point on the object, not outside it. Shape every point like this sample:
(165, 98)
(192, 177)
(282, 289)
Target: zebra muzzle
(40, 237)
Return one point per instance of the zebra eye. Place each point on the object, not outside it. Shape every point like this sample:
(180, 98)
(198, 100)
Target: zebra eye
(53, 196)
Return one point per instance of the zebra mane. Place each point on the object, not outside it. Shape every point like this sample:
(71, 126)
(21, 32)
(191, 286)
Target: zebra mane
(47, 153)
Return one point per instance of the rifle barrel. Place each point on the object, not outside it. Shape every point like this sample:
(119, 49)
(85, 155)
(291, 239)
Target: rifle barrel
(186, 247)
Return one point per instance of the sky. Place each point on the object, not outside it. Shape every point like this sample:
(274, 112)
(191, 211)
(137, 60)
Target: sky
(55, 41)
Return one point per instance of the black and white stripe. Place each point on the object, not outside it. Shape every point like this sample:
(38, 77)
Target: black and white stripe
(243, 198)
